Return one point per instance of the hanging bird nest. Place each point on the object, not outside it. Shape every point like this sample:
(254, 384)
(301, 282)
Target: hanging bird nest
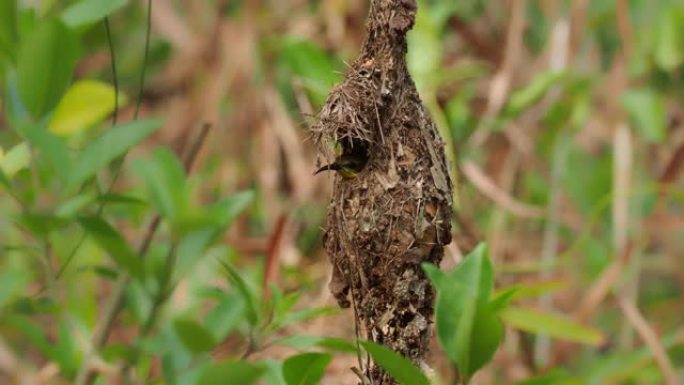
(395, 213)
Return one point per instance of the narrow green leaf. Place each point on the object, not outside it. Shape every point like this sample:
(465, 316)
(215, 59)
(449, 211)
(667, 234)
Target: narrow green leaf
(16, 159)
(195, 337)
(40, 224)
(86, 103)
(305, 368)
(12, 284)
(552, 325)
(108, 147)
(74, 206)
(295, 317)
(646, 109)
(503, 298)
(45, 63)
(52, 148)
(165, 180)
(228, 313)
(669, 46)
(231, 372)
(619, 366)
(122, 199)
(4, 180)
(34, 333)
(525, 97)
(9, 35)
(274, 372)
(109, 239)
(227, 210)
(247, 294)
(90, 11)
(65, 352)
(532, 289)
(398, 366)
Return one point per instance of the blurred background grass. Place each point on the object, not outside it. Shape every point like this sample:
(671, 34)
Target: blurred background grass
(564, 123)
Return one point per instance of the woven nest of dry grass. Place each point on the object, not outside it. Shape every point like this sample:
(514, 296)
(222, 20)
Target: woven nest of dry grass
(395, 214)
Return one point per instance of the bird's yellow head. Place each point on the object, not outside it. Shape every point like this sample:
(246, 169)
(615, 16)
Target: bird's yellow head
(351, 162)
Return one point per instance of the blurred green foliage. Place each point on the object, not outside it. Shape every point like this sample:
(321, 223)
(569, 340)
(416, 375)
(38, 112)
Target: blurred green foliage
(80, 197)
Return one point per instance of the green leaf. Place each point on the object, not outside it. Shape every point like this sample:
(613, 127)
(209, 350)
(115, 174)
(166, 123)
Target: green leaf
(9, 35)
(64, 351)
(525, 97)
(552, 325)
(468, 326)
(61, 351)
(13, 282)
(86, 103)
(108, 147)
(40, 224)
(4, 180)
(619, 366)
(245, 291)
(16, 159)
(310, 63)
(233, 372)
(46, 60)
(305, 314)
(588, 179)
(396, 365)
(532, 289)
(305, 368)
(74, 206)
(90, 11)
(165, 179)
(274, 372)
(215, 220)
(227, 210)
(646, 109)
(228, 313)
(54, 150)
(109, 239)
(194, 336)
(669, 46)
(122, 199)
(503, 298)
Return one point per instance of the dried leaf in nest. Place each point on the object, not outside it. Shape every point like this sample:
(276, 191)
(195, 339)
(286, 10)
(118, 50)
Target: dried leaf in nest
(395, 213)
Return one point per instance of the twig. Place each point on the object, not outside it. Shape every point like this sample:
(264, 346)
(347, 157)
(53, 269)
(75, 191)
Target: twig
(141, 84)
(637, 320)
(602, 286)
(118, 163)
(115, 302)
(273, 255)
(501, 82)
(483, 183)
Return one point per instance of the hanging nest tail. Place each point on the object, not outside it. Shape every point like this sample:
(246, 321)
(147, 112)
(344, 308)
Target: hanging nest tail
(395, 213)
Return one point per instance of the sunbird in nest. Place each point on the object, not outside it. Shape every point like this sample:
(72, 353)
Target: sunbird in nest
(350, 163)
